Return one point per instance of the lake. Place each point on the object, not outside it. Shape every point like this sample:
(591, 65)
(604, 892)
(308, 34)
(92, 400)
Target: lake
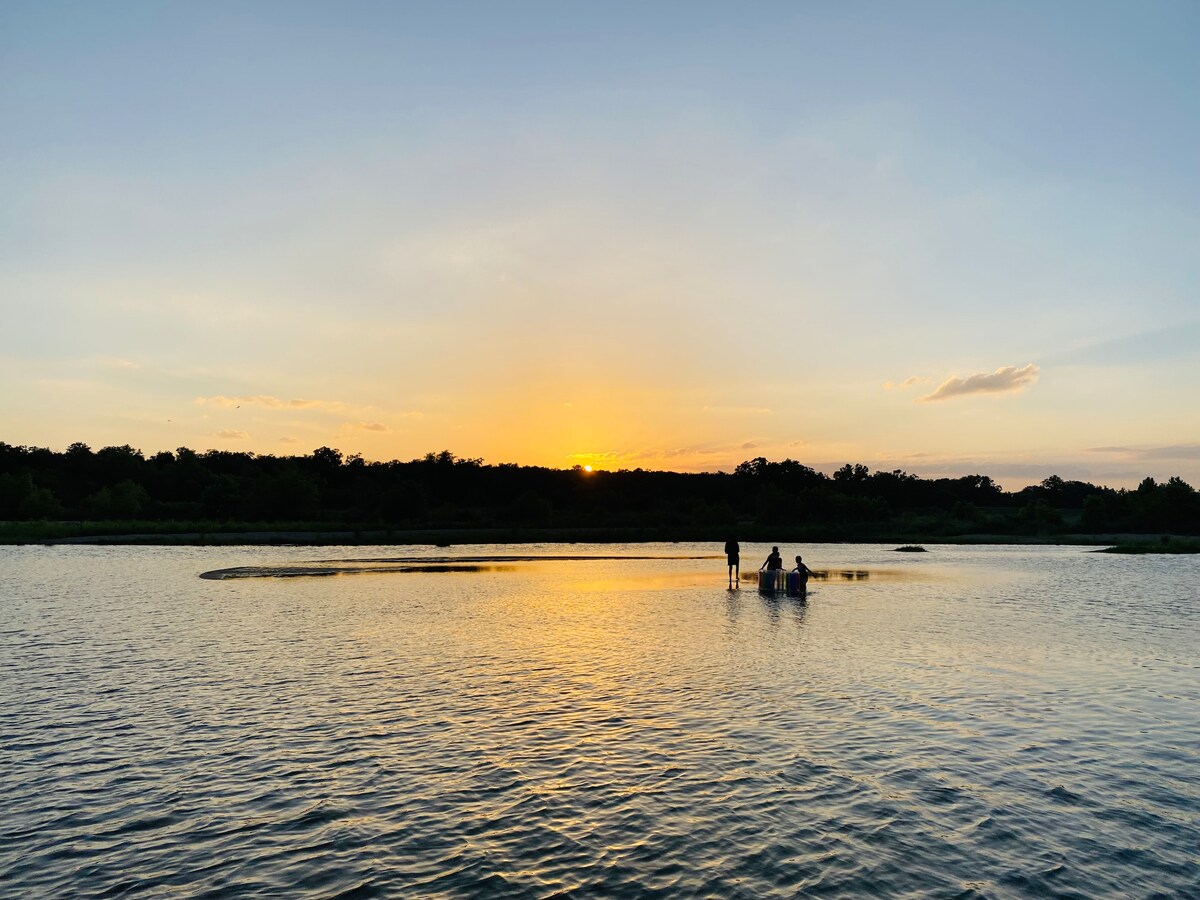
(968, 722)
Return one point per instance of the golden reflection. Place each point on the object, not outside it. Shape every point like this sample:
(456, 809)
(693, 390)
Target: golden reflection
(844, 576)
(653, 581)
(576, 578)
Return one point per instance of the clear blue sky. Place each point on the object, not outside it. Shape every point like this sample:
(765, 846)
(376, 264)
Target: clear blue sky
(946, 237)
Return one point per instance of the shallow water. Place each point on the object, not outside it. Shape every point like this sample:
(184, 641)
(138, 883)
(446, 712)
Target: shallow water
(968, 722)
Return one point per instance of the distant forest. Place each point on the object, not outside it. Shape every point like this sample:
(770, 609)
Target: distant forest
(442, 491)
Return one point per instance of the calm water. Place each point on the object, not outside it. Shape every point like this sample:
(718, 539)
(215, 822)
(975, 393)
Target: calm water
(992, 722)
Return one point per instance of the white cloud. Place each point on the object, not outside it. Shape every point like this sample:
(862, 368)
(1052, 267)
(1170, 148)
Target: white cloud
(1004, 380)
(271, 403)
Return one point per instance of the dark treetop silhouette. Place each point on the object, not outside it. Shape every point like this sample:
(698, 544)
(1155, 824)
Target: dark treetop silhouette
(785, 500)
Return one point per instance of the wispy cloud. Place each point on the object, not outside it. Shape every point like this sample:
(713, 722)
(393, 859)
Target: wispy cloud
(373, 426)
(232, 434)
(687, 451)
(1004, 380)
(1174, 451)
(711, 455)
(1170, 451)
(907, 382)
(112, 362)
(289, 440)
(271, 403)
(739, 410)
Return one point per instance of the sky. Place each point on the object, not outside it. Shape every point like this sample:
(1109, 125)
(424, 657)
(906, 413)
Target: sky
(949, 238)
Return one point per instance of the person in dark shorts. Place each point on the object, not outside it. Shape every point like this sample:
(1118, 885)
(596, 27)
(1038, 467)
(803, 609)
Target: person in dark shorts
(733, 557)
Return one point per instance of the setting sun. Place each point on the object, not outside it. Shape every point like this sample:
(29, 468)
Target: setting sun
(587, 468)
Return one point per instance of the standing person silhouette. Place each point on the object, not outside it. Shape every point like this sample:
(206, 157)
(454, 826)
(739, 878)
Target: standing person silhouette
(773, 562)
(733, 557)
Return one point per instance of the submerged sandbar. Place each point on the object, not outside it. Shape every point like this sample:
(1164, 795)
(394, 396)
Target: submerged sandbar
(395, 564)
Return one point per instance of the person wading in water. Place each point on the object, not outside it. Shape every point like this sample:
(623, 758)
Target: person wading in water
(733, 557)
(802, 573)
(774, 565)
(773, 562)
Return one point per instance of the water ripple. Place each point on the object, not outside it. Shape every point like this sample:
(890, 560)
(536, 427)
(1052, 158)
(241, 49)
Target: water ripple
(986, 722)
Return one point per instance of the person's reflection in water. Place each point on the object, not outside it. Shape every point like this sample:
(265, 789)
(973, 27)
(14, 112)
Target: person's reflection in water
(733, 558)
(799, 611)
(773, 610)
(733, 612)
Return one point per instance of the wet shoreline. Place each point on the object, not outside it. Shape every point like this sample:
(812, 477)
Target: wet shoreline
(340, 536)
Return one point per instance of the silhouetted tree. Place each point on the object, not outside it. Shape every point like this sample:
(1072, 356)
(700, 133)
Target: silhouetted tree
(442, 489)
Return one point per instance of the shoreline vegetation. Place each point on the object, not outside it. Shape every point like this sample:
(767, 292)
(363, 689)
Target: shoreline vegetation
(202, 534)
(117, 495)
(1165, 544)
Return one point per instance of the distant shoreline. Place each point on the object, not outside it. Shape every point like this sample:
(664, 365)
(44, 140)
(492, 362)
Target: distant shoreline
(98, 533)
(1163, 545)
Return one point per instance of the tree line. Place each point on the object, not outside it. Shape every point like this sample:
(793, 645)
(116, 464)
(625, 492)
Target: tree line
(441, 490)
